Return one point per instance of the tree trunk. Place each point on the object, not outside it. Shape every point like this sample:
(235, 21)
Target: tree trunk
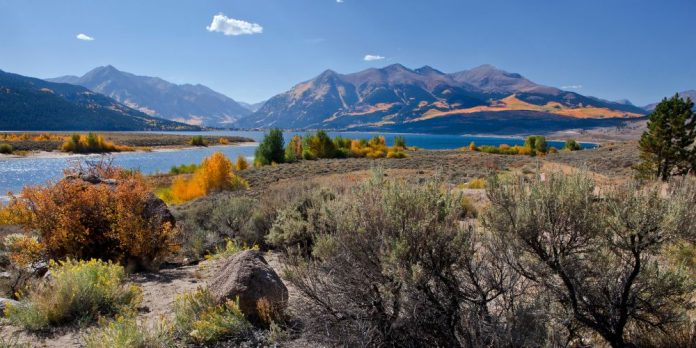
(616, 341)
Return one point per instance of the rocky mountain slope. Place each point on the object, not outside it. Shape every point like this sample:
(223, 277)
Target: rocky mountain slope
(484, 99)
(192, 104)
(685, 94)
(33, 104)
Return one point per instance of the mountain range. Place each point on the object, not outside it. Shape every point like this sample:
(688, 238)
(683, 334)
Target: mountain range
(192, 104)
(396, 98)
(33, 104)
(685, 94)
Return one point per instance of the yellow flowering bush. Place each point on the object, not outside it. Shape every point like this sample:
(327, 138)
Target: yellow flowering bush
(231, 248)
(125, 332)
(79, 291)
(198, 318)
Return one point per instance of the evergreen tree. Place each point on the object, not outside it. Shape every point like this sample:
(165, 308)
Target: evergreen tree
(536, 144)
(272, 148)
(667, 147)
(572, 145)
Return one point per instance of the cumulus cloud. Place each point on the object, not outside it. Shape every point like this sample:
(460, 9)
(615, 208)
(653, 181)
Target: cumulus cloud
(233, 27)
(572, 87)
(372, 57)
(84, 37)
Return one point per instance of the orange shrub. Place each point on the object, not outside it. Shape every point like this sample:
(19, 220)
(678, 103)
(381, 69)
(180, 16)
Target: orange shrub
(47, 137)
(214, 174)
(23, 250)
(184, 190)
(14, 213)
(75, 219)
(355, 147)
(223, 141)
(375, 154)
(295, 146)
(523, 150)
(396, 154)
(241, 163)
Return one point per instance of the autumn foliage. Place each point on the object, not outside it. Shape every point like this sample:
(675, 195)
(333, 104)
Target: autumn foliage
(79, 220)
(320, 145)
(241, 163)
(30, 136)
(214, 174)
(533, 145)
(91, 143)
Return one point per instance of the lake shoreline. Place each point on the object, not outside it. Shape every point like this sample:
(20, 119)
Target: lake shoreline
(58, 154)
(45, 144)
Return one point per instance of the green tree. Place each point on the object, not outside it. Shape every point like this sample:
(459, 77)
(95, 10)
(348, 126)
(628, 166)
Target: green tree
(537, 144)
(400, 141)
(271, 149)
(319, 145)
(667, 147)
(572, 145)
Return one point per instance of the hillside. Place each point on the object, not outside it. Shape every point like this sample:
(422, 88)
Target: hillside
(32, 104)
(426, 99)
(192, 104)
(685, 94)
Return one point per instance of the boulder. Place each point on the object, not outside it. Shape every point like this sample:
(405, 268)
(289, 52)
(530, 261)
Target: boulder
(4, 302)
(248, 276)
(156, 209)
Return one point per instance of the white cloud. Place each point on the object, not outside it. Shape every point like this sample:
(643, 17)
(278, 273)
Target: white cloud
(233, 27)
(372, 57)
(339, 1)
(84, 37)
(572, 87)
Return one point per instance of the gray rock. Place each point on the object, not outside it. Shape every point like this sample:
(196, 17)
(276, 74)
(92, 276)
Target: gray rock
(5, 301)
(248, 276)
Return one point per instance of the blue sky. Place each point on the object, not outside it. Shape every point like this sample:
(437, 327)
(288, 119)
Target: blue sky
(636, 49)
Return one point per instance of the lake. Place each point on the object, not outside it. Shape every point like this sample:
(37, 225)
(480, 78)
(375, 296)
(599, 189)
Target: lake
(17, 172)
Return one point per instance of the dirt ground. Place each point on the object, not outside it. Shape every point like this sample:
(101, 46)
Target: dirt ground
(613, 160)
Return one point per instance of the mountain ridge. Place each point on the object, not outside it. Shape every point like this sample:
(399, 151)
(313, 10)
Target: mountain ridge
(397, 97)
(189, 103)
(691, 93)
(28, 103)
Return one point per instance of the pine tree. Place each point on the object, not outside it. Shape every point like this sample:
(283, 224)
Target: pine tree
(667, 147)
(272, 148)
